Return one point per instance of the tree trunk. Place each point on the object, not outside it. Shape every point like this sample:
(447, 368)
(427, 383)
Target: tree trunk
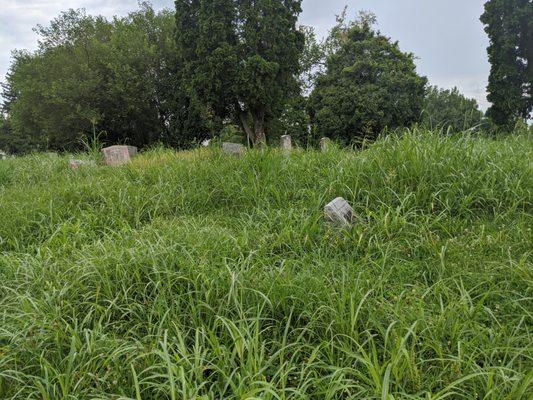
(256, 133)
(244, 122)
(259, 128)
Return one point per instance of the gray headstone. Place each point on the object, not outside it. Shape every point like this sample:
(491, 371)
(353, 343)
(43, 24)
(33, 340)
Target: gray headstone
(233, 148)
(339, 213)
(75, 164)
(118, 155)
(286, 142)
(324, 143)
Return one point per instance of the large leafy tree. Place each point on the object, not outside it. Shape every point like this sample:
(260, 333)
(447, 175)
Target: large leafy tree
(92, 75)
(369, 84)
(509, 25)
(450, 110)
(240, 59)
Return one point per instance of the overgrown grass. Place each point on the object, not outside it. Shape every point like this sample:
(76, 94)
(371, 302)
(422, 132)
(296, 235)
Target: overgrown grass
(196, 275)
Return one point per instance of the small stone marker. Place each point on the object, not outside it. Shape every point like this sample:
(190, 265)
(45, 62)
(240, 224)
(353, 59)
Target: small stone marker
(339, 213)
(3, 155)
(286, 143)
(118, 155)
(324, 143)
(75, 164)
(233, 148)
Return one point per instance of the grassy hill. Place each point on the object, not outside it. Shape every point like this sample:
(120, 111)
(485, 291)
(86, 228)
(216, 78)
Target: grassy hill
(197, 275)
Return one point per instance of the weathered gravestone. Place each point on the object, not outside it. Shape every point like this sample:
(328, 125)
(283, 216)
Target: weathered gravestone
(286, 143)
(324, 143)
(3, 155)
(233, 148)
(119, 155)
(75, 164)
(339, 213)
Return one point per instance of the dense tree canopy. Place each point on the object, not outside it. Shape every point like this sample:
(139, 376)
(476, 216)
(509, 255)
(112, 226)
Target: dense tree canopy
(90, 75)
(240, 58)
(369, 84)
(509, 25)
(450, 110)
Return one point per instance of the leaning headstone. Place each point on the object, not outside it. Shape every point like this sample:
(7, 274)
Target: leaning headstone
(286, 143)
(233, 148)
(339, 213)
(324, 143)
(75, 164)
(118, 155)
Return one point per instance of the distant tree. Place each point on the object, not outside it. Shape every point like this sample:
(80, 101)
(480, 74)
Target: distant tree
(240, 59)
(509, 25)
(312, 59)
(369, 84)
(5, 134)
(294, 119)
(449, 109)
(93, 75)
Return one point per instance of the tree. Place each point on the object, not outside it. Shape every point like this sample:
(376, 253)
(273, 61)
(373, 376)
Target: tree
(240, 59)
(91, 75)
(509, 25)
(449, 109)
(5, 134)
(369, 84)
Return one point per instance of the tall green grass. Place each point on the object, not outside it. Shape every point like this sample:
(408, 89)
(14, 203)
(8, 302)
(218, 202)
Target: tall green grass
(197, 275)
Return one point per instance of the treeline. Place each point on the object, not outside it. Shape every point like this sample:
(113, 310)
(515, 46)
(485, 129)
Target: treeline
(240, 69)
(93, 76)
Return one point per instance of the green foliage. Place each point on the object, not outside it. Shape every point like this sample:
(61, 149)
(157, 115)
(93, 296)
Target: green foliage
(5, 134)
(293, 121)
(232, 133)
(450, 110)
(509, 25)
(369, 84)
(85, 74)
(240, 59)
(196, 275)
(11, 142)
(311, 59)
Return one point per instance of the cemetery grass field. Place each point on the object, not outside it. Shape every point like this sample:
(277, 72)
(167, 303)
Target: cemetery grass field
(198, 275)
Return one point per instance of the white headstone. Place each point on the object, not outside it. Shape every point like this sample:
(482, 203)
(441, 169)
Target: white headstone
(118, 155)
(3, 155)
(324, 143)
(206, 142)
(339, 213)
(233, 148)
(286, 142)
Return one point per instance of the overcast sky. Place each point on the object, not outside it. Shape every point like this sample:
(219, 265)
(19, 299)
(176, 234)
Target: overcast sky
(445, 35)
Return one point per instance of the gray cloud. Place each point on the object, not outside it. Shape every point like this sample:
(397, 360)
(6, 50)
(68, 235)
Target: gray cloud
(446, 36)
